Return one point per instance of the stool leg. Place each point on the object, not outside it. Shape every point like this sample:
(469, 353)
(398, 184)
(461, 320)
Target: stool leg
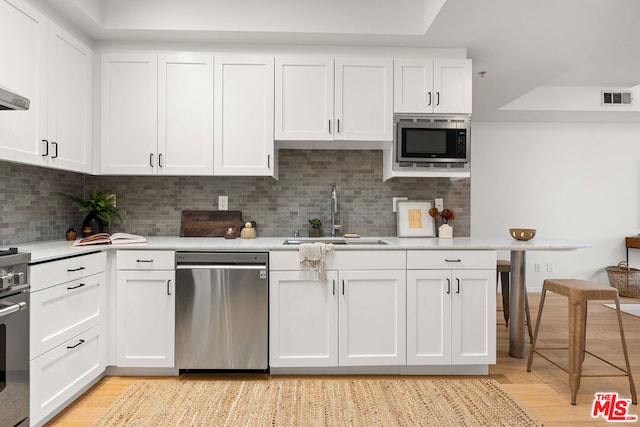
(528, 314)
(535, 334)
(577, 316)
(632, 385)
(504, 279)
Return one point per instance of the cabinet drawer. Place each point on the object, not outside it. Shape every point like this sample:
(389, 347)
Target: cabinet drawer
(61, 312)
(145, 260)
(61, 373)
(442, 260)
(48, 274)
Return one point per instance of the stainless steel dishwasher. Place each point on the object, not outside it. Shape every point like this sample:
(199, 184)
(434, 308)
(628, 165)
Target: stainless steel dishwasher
(222, 306)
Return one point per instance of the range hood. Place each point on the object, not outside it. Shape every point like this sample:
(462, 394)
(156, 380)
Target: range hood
(12, 101)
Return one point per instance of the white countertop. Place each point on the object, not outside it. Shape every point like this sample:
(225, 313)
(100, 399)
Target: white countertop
(47, 251)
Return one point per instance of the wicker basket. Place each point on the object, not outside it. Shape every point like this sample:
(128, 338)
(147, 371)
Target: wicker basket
(625, 279)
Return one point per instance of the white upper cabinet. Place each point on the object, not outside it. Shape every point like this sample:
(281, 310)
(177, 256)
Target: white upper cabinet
(364, 99)
(129, 113)
(185, 114)
(23, 43)
(304, 99)
(432, 86)
(318, 99)
(68, 141)
(53, 69)
(243, 125)
(157, 114)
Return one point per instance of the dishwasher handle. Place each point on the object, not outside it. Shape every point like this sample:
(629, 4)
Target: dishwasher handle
(220, 267)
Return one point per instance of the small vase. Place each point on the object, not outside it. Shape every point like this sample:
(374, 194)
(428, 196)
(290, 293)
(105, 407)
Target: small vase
(92, 225)
(445, 231)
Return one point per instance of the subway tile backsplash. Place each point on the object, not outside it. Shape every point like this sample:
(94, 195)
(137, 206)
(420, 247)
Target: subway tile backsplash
(152, 205)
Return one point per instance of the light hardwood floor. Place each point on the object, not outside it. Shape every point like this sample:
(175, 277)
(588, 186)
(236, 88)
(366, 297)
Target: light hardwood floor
(544, 390)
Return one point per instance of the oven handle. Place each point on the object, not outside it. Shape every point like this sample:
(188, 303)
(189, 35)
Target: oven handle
(13, 309)
(221, 267)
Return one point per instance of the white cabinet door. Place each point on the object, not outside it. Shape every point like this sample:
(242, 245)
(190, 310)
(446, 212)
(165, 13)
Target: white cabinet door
(304, 99)
(432, 86)
(23, 43)
(69, 113)
(452, 86)
(129, 114)
(451, 317)
(185, 114)
(243, 124)
(429, 317)
(413, 86)
(364, 99)
(474, 317)
(372, 317)
(145, 318)
(57, 375)
(303, 323)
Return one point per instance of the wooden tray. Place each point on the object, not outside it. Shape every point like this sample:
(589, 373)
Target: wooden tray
(210, 223)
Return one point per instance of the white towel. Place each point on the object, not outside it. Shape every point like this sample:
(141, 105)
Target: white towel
(313, 260)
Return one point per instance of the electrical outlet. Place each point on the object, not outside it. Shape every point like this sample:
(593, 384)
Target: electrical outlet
(223, 203)
(536, 268)
(395, 203)
(549, 267)
(439, 204)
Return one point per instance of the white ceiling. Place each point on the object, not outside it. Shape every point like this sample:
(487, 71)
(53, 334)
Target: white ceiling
(521, 44)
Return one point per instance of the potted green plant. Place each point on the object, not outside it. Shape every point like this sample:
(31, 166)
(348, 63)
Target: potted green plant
(101, 210)
(314, 230)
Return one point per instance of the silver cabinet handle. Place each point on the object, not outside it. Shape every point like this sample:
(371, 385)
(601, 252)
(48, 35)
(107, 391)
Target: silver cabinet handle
(71, 270)
(429, 93)
(334, 287)
(453, 260)
(76, 287)
(169, 287)
(151, 159)
(342, 286)
(55, 144)
(160, 160)
(458, 290)
(46, 148)
(329, 125)
(437, 98)
(448, 286)
(338, 125)
(268, 161)
(144, 260)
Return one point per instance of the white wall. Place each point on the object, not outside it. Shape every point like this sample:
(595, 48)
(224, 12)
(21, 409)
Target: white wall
(570, 181)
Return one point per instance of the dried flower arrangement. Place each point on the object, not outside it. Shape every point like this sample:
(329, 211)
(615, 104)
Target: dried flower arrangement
(446, 214)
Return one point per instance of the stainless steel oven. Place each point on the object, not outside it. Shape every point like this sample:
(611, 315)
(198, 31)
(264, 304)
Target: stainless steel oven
(14, 339)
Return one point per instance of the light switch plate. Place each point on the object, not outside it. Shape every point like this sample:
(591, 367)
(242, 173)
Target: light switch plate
(439, 204)
(223, 203)
(395, 202)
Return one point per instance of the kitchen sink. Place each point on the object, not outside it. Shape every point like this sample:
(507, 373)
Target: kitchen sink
(336, 241)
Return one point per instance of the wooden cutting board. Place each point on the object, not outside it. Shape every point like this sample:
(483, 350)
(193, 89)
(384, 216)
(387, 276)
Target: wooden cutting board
(210, 223)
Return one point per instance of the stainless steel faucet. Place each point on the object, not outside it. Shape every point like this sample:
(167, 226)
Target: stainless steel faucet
(335, 226)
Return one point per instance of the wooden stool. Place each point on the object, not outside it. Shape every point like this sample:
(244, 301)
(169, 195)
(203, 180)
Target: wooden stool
(579, 292)
(503, 271)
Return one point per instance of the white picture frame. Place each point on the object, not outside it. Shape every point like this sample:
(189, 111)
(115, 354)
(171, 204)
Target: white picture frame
(413, 219)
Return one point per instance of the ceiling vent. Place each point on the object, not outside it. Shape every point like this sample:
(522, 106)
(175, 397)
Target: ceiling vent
(610, 97)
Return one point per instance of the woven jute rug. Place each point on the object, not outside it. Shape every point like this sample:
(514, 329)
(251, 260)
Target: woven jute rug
(318, 402)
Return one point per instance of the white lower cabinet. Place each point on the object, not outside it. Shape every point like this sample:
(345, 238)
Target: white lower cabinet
(59, 374)
(145, 309)
(451, 312)
(68, 330)
(354, 318)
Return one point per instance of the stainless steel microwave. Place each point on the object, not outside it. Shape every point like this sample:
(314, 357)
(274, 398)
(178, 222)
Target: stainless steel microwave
(431, 139)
